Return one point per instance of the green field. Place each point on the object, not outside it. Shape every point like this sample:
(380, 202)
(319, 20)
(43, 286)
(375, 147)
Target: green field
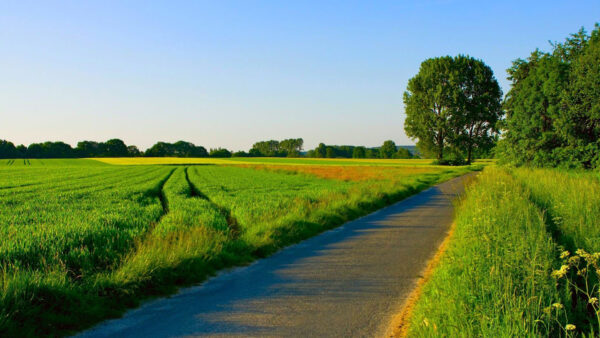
(84, 240)
(513, 266)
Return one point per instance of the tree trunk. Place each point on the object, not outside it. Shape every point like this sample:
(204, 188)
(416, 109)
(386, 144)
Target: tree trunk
(440, 147)
(469, 151)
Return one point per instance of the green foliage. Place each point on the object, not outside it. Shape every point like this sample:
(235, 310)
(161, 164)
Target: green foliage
(388, 149)
(402, 153)
(453, 102)
(273, 148)
(553, 109)
(359, 152)
(8, 150)
(220, 152)
(177, 149)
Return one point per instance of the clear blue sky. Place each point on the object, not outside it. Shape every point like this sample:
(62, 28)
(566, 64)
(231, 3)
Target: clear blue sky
(229, 73)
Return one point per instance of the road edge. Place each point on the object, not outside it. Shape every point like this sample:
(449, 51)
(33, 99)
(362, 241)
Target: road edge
(400, 322)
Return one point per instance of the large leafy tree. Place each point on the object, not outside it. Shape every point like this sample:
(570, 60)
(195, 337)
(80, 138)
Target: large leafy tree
(479, 108)
(430, 101)
(553, 106)
(453, 102)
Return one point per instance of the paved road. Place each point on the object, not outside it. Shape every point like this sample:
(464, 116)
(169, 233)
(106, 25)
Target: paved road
(348, 281)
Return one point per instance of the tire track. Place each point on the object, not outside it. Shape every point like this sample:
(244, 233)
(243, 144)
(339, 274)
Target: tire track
(232, 222)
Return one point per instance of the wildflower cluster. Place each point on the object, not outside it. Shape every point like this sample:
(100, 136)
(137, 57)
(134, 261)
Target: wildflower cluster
(581, 272)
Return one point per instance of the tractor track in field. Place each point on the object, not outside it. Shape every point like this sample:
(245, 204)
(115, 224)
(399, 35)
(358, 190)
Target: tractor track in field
(232, 222)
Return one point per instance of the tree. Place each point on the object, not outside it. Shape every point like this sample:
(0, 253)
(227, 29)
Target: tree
(402, 153)
(480, 106)
(553, 106)
(219, 152)
(133, 151)
(430, 105)
(177, 149)
(452, 102)
(359, 152)
(372, 153)
(321, 151)
(8, 150)
(291, 147)
(115, 148)
(90, 149)
(388, 149)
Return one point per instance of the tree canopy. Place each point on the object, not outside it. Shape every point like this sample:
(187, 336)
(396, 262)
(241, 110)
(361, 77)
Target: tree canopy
(553, 106)
(177, 149)
(453, 102)
(388, 150)
(272, 148)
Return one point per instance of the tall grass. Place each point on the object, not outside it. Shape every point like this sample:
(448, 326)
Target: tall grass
(493, 280)
(571, 201)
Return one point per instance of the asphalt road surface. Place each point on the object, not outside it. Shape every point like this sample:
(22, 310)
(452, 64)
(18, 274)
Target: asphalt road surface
(346, 282)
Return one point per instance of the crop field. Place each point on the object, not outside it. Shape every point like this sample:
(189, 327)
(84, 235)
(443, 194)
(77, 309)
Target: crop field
(265, 160)
(84, 240)
(522, 260)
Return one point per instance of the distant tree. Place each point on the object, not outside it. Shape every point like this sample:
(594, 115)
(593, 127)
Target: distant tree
(115, 148)
(388, 149)
(22, 150)
(359, 152)
(254, 153)
(50, 150)
(90, 149)
(8, 150)
(219, 152)
(372, 153)
(330, 152)
(133, 151)
(160, 149)
(240, 154)
(177, 149)
(402, 153)
(268, 148)
(321, 150)
(291, 147)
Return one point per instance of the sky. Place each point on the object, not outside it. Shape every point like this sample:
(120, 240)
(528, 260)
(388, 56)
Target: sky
(230, 73)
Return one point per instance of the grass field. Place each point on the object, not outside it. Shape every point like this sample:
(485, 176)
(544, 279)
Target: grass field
(514, 265)
(85, 239)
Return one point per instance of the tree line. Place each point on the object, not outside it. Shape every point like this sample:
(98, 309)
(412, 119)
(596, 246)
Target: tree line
(110, 148)
(553, 106)
(387, 150)
(117, 148)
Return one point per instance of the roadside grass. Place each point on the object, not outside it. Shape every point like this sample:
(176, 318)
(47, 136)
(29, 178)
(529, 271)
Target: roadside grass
(571, 202)
(494, 279)
(522, 261)
(185, 223)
